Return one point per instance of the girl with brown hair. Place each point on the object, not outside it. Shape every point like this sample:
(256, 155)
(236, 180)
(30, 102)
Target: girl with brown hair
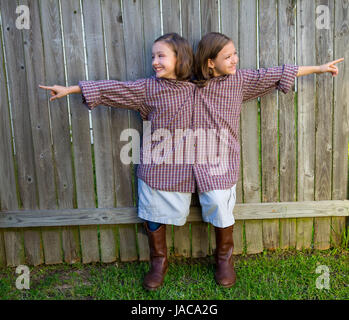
(221, 91)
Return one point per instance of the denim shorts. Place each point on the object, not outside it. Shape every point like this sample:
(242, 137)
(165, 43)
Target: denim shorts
(173, 207)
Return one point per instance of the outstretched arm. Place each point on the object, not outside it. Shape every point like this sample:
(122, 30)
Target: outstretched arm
(328, 67)
(61, 91)
(111, 93)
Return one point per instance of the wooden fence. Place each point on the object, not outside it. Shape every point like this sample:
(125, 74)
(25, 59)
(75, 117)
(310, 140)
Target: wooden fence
(63, 199)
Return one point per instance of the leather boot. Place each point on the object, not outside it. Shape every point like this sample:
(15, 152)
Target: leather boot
(158, 258)
(225, 274)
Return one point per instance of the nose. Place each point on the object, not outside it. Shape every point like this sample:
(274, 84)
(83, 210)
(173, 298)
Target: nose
(155, 61)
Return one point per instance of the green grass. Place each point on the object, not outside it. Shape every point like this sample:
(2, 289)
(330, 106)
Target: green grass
(279, 275)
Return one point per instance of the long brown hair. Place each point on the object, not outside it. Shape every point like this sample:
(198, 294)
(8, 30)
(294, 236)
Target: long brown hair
(184, 54)
(208, 48)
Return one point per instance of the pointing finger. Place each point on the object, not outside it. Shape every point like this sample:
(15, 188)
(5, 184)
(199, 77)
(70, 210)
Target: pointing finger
(45, 87)
(336, 61)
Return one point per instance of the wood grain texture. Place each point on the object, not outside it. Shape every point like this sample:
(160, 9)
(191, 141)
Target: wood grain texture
(128, 215)
(323, 127)
(249, 125)
(81, 147)
(74, 59)
(209, 16)
(44, 66)
(24, 150)
(340, 115)
(306, 116)
(101, 124)
(287, 122)
(171, 22)
(268, 53)
(8, 192)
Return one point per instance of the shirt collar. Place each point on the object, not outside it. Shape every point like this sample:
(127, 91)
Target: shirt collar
(174, 82)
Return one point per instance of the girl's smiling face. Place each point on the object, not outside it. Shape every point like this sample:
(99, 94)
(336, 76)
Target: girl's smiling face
(225, 62)
(164, 60)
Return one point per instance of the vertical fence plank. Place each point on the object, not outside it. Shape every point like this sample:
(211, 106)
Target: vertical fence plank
(101, 124)
(209, 16)
(249, 125)
(287, 133)
(2, 250)
(27, 183)
(306, 116)
(74, 53)
(134, 42)
(8, 192)
(323, 128)
(43, 157)
(230, 27)
(171, 22)
(269, 120)
(114, 37)
(181, 241)
(191, 21)
(60, 131)
(340, 117)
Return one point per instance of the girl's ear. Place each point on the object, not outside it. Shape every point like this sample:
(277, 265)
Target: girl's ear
(210, 63)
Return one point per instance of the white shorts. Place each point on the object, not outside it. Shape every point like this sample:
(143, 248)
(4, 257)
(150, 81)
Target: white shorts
(173, 207)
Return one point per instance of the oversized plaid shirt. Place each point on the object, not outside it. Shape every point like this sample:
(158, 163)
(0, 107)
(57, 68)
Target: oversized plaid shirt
(194, 132)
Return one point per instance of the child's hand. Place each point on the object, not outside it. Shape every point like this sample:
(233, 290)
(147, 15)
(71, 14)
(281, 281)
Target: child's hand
(330, 67)
(57, 91)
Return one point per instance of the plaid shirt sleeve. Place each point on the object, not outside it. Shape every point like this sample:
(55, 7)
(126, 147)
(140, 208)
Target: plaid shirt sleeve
(112, 93)
(257, 83)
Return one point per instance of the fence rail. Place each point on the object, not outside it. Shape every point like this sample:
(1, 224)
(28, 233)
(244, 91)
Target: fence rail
(293, 181)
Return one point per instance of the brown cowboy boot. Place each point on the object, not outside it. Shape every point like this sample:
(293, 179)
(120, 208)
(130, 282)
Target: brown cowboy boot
(225, 274)
(158, 258)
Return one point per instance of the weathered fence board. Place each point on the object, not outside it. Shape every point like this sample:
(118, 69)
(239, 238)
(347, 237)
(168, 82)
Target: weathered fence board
(51, 70)
(101, 125)
(287, 122)
(128, 215)
(269, 120)
(250, 125)
(341, 116)
(8, 192)
(306, 116)
(82, 153)
(74, 57)
(24, 154)
(323, 128)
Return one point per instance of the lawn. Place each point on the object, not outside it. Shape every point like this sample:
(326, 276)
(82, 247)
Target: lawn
(281, 275)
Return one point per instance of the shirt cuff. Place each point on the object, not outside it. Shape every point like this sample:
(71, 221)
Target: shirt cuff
(90, 94)
(289, 73)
